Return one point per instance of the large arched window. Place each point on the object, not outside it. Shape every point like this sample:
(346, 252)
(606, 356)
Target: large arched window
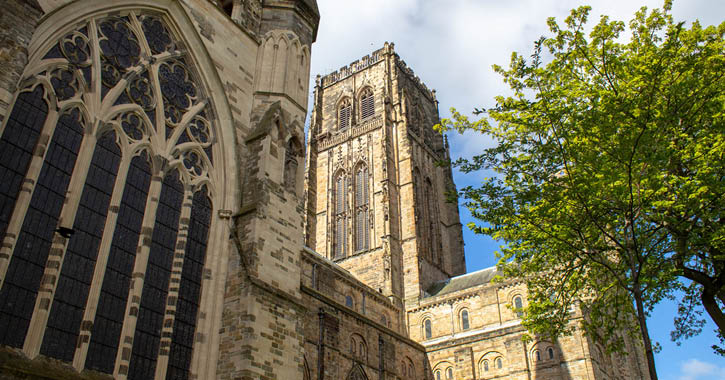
(433, 222)
(344, 114)
(340, 216)
(362, 221)
(367, 103)
(422, 226)
(126, 188)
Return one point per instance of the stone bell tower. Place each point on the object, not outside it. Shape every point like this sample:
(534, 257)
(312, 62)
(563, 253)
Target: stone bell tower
(375, 196)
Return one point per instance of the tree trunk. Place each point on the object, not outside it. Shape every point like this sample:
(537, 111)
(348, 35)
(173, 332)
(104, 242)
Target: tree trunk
(712, 308)
(642, 318)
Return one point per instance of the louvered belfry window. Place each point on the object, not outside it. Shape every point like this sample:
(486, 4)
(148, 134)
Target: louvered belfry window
(340, 217)
(344, 114)
(362, 230)
(128, 200)
(367, 104)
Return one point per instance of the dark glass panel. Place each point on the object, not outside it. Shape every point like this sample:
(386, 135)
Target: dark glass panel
(157, 35)
(119, 50)
(156, 281)
(16, 148)
(107, 326)
(17, 297)
(79, 261)
(190, 288)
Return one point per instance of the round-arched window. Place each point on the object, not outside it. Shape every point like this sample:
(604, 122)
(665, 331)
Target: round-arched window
(427, 330)
(464, 320)
(518, 305)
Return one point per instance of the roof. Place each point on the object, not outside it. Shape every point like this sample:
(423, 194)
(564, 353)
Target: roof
(468, 280)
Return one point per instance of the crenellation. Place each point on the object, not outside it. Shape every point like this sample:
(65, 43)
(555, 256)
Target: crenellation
(225, 250)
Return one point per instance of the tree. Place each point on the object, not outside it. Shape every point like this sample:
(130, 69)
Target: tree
(610, 174)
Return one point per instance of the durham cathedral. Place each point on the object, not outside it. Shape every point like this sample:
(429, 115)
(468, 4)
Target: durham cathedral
(164, 214)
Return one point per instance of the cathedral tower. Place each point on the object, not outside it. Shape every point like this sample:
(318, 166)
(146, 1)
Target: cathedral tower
(375, 194)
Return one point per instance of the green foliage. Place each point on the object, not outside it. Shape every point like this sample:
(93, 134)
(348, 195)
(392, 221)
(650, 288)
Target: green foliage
(610, 173)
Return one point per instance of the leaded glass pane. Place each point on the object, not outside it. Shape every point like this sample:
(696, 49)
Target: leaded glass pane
(17, 297)
(156, 280)
(16, 147)
(190, 288)
(464, 320)
(75, 278)
(114, 292)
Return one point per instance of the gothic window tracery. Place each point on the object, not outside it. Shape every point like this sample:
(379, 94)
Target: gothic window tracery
(362, 229)
(122, 105)
(340, 215)
(344, 114)
(367, 104)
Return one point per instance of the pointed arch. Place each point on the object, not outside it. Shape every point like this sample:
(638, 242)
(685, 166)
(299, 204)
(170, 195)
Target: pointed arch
(433, 237)
(356, 373)
(281, 59)
(422, 226)
(344, 113)
(169, 120)
(339, 217)
(362, 205)
(293, 154)
(366, 101)
(306, 375)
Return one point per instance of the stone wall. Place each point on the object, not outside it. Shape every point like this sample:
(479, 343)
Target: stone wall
(495, 331)
(17, 24)
(340, 339)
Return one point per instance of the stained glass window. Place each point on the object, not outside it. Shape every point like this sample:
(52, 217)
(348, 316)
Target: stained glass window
(20, 288)
(100, 202)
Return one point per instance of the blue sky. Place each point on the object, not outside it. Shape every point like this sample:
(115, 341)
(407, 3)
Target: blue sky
(452, 45)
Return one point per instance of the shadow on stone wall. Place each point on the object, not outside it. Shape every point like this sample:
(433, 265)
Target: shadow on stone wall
(545, 367)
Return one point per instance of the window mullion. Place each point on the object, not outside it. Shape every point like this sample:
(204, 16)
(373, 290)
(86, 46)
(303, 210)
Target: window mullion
(26, 193)
(46, 292)
(133, 301)
(162, 360)
(94, 293)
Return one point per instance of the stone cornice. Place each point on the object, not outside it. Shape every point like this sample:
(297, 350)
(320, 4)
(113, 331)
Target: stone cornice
(350, 133)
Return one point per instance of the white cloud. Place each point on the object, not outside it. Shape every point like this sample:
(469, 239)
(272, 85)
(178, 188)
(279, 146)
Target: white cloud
(452, 44)
(695, 369)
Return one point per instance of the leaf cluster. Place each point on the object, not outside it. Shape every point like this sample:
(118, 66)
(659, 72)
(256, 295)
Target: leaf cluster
(609, 170)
